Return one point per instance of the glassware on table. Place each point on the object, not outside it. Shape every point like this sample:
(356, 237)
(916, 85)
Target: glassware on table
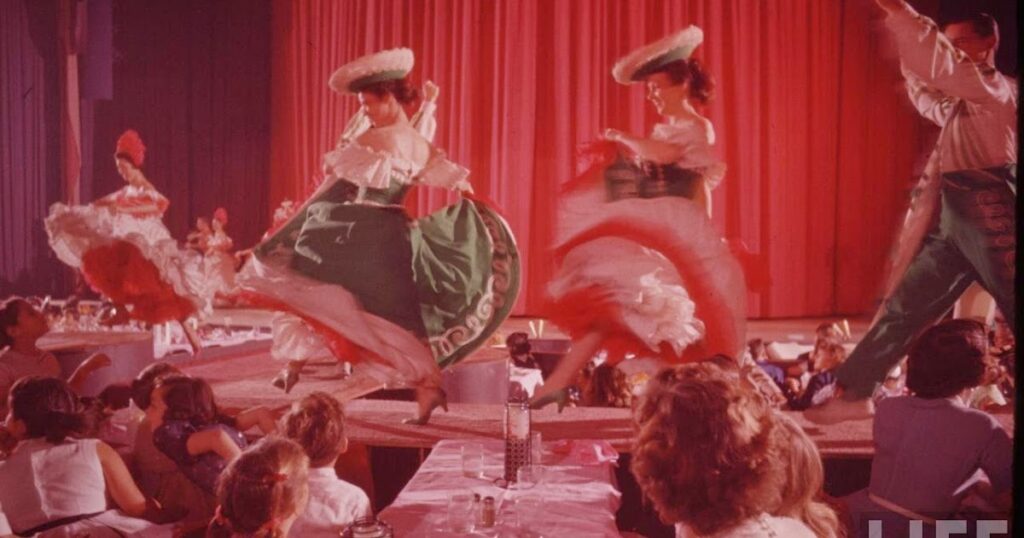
(529, 476)
(368, 527)
(528, 511)
(517, 436)
(461, 512)
(536, 448)
(473, 460)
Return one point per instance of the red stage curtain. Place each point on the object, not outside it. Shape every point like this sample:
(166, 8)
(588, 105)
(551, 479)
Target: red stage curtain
(811, 119)
(30, 172)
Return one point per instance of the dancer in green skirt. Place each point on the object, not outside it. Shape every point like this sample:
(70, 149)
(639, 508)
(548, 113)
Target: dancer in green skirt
(353, 275)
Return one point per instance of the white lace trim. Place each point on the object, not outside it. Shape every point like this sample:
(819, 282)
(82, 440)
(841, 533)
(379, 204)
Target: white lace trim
(74, 230)
(366, 167)
(369, 168)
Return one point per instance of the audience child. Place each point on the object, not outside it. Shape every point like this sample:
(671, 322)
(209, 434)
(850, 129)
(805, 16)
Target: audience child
(21, 327)
(822, 381)
(753, 377)
(803, 494)
(56, 485)
(190, 430)
(158, 476)
(757, 353)
(262, 492)
(930, 446)
(704, 454)
(317, 423)
(606, 386)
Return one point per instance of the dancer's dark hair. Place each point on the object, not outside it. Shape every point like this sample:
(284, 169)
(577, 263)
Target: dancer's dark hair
(400, 88)
(702, 86)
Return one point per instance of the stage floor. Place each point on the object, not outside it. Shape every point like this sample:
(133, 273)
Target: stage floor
(241, 375)
(242, 379)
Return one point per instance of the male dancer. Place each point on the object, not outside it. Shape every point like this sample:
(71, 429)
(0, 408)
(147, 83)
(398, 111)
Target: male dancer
(962, 224)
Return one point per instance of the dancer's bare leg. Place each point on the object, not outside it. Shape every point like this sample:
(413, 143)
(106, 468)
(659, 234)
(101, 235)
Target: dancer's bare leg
(429, 396)
(190, 334)
(570, 365)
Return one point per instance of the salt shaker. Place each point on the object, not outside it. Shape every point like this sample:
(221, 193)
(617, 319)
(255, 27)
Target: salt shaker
(487, 516)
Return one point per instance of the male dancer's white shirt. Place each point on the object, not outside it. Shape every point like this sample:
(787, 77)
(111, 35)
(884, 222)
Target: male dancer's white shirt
(975, 105)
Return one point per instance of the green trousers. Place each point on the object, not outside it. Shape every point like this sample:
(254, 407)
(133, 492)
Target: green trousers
(975, 240)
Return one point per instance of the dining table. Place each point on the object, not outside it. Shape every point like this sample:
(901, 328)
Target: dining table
(574, 492)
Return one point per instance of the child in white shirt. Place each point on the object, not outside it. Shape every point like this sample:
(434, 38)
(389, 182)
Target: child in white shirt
(317, 422)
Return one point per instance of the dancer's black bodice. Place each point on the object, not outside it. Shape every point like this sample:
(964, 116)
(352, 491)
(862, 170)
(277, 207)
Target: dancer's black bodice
(625, 179)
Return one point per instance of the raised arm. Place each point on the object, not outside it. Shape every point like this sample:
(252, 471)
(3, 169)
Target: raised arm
(932, 58)
(357, 125)
(424, 120)
(931, 104)
(257, 416)
(95, 362)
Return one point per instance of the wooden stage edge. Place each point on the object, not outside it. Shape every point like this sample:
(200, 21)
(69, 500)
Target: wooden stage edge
(379, 423)
(241, 378)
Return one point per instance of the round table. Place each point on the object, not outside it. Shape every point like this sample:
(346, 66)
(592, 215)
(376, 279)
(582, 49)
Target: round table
(129, 353)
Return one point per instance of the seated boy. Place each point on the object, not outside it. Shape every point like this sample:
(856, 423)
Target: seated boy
(317, 422)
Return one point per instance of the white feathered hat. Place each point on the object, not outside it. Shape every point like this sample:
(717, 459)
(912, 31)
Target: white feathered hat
(356, 75)
(643, 61)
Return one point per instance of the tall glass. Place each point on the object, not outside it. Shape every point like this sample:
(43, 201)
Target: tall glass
(461, 513)
(473, 460)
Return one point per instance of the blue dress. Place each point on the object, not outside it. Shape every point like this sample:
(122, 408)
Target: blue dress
(171, 438)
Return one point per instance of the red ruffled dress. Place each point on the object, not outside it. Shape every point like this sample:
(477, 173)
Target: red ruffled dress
(127, 254)
(640, 262)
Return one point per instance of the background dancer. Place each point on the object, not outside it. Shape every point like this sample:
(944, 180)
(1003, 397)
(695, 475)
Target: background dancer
(125, 252)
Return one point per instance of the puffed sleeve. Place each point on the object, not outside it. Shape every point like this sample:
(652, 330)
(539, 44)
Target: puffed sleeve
(441, 172)
(360, 165)
(425, 120)
(696, 141)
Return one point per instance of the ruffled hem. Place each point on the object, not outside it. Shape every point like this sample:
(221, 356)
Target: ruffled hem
(119, 271)
(131, 260)
(351, 333)
(637, 287)
(694, 256)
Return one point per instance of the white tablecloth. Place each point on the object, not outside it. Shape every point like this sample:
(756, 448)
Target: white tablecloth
(129, 353)
(576, 500)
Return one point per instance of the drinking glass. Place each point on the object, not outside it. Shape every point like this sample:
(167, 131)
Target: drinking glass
(529, 476)
(536, 448)
(528, 511)
(461, 512)
(473, 460)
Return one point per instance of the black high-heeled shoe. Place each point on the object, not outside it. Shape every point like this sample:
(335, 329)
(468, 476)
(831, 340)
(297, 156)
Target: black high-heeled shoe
(560, 396)
(286, 379)
(439, 399)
